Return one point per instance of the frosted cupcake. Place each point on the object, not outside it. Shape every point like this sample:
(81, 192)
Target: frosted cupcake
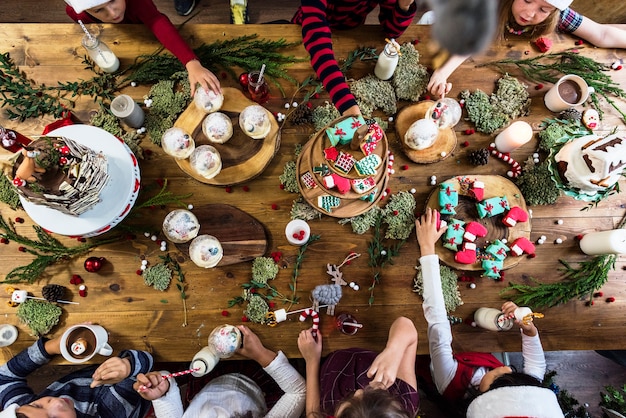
(255, 122)
(177, 143)
(421, 134)
(180, 226)
(217, 127)
(445, 112)
(207, 100)
(206, 161)
(205, 251)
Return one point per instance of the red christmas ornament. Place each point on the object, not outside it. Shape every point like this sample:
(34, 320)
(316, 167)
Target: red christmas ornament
(243, 80)
(94, 264)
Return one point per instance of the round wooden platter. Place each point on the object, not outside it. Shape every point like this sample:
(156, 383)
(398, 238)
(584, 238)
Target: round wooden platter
(349, 206)
(243, 237)
(243, 158)
(445, 143)
(466, 211)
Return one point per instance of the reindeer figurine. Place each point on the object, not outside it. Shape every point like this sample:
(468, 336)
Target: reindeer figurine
(29, 165)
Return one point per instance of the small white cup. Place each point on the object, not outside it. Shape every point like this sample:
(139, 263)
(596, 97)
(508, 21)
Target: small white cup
(297, 232)
(95, 338)
(557, 102)
(125, 108)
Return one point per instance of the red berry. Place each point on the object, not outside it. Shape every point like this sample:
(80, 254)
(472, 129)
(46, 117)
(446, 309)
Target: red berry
(282, 186)
(589, 303)
(539, 86)
(82, 293)
(416, 41)
(619, 67)
(3, 240)
(309, 105)
(228, 189)
(295, 236)
(22, 249)
(160, 182)
(316, 96)
(395, 213)
(245, 188)
(225, 313)
(274, 206)
(349, 262)
(465, 144)
(579, 42)
(611, 299)
(426, 97)
(19, 220)
(405, 167)
(578, 237)
(139, 272)
(271, 304)
(387, 190)
(224, 75)
(598, 295)
(147, 152)
(244, 319)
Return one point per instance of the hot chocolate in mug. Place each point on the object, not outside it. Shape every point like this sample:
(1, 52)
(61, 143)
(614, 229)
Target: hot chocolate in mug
(80, 343)
(570, 91)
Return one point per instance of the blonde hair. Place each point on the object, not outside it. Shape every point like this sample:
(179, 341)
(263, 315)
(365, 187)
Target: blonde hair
(506, 15)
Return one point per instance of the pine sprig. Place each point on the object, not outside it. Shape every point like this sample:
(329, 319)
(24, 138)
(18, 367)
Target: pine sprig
(550, 67)
(163, 198)
(296, 268)
(380, 254)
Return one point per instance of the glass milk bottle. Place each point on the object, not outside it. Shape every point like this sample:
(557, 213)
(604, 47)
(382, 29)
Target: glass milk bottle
(492, 319)
(387, 60)
(101, 54)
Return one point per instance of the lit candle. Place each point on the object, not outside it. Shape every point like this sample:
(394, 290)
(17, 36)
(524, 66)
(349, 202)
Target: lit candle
(604, 242)
(513, 137)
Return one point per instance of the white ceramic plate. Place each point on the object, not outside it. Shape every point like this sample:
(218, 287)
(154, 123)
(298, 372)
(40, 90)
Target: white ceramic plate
(117, 197)
(8, 335)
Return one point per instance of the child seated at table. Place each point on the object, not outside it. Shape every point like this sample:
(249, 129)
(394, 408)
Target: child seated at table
(232, 394)
(362, 383)
(533, 19)
(105, 391)
(144, 11)
(479, 379)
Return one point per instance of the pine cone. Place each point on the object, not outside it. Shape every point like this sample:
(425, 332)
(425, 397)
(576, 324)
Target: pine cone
(570, 114)
(479, 157)
(53, 292)
(301, 115)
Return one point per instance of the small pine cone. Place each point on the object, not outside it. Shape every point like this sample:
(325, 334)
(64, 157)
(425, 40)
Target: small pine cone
(301, 115)
(53, 292)
(479, 157)
(571, 114)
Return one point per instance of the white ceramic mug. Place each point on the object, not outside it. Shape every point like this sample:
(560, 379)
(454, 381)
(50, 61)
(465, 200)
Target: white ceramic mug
(556, 99)
(80, 343)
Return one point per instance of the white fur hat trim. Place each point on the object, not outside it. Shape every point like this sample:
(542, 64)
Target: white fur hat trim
(9, 412)
(80, 6)
(559, 4)
(516, 401)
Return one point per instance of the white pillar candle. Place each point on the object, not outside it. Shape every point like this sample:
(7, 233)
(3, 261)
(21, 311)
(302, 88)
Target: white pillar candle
(514, 136)
(604, 242)
(125, 108)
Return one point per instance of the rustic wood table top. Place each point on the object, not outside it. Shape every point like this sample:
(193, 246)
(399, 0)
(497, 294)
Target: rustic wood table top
(140, 317)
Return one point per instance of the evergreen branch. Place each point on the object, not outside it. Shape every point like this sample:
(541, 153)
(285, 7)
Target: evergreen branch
(180, 285)
(164, 197)
(296, 268)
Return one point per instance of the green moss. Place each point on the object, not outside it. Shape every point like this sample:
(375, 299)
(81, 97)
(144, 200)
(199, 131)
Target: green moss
(8, 195)
(537, 185)
(449, 286)
(410, 78)
(378, 93)
(264, 269)
(323, 115)
(39, 315)
(550, 136)
(169, 100)
(399, 216)
(289, 178)
(106, 120)
(257, 308)
(300, 209)
(158, 276)
(363, 222)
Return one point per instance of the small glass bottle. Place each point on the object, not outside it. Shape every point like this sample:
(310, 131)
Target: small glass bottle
(101, 54)
(387, 60)
(492, 319)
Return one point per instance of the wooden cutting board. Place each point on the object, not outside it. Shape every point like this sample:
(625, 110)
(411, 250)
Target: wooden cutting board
(243, 237)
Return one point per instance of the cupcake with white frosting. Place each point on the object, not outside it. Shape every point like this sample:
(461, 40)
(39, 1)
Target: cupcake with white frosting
(217, 127)
(206, 161)
(207, 100)
(180, 226)
(206, 251)
(255, 122)
(177, 143)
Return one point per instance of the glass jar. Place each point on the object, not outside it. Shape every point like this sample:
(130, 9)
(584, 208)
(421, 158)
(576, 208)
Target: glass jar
(492, 319)
(387, 61)
(101, 54)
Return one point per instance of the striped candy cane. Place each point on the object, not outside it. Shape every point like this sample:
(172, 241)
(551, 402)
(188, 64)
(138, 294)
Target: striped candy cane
(314, 316)
(516, 168)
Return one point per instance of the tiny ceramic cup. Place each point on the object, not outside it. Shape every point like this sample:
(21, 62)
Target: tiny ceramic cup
(570, 91)
(297, 232)
(80, 343)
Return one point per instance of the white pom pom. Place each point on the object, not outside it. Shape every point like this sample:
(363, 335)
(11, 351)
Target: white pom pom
(383, 252)
(153, 237)
(287, 105)
(82, 287)
(558, 241)
(433, 177)
(190, 206)
(543, 238)
(433, 182)
(295, 104)
(356, 287)
(443, 153)
(472, 285)
(143, 267)
(509, 173)
(146, 234)
(144, 262)
(559, 222)
(413, 191)
(390, 119)
(133, 84)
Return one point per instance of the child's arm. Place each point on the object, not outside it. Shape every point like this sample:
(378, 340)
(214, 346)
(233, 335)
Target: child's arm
(438, 85)
(311, 349)
(532, 351)
(601, 35)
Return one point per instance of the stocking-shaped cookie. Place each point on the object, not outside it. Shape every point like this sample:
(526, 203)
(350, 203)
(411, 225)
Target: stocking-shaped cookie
(474, 230)
(522, 246)
(515, 215)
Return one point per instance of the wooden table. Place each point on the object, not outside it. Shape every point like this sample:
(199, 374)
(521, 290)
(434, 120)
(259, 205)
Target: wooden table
(140, 317)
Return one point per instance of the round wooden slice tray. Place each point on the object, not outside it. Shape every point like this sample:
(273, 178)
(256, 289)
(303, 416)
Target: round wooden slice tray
(446, 140)
(466, 211)
(309, 154)
(243, 158)
(348, 207)
(242, 236)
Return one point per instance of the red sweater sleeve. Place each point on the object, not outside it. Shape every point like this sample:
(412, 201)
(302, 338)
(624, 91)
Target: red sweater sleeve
(144, 11)
(393, 19)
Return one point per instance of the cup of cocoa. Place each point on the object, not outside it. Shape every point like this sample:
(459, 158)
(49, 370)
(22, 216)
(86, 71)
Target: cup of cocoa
(80, 343)
(570, 91)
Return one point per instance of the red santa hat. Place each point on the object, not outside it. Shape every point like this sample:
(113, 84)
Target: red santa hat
(9, 412)
(559, 4)
(80, 6)
(516, 401)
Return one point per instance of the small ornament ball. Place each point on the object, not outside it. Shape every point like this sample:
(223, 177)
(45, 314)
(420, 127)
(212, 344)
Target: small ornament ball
(94, 264)
(243, 80)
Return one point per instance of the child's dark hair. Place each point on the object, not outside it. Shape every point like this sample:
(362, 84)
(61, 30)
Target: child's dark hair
(377, 403)
(515, 379)
(506, 16)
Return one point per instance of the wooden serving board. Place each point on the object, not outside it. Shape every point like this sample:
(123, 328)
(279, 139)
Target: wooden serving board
(446, 140)
(243, 158)
(466, 211)
(243, 237)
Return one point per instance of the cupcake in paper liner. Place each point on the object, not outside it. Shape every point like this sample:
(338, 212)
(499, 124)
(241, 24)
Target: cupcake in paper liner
(180, 226)
(207, 100)
(255, 122)
(205, 251)
(217, 127)
(177, 143)
(206, 161)
(445, 112)
(421, 134)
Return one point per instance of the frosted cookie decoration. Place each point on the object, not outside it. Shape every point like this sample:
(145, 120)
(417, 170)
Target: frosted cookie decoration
(177, 143)
(207, 100)
(217, 127)
(180, 226)
(255, 122)
(205, 251)
(206, 161)
(421, 134)
(446, 113)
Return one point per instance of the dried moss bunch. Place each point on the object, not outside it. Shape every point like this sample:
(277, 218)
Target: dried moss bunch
(410, 78)
(169, 99)
(363, 222)
(289, 178)
(549, 137)
(490, 113)
(257, 308)
(377, 93)
(39, 315)
(300, 209)
(8, 195)
(399, 216)
(158, 276)
(323, 115)
(536, 184)
(264, 269)
(449, 287)
(106, 120)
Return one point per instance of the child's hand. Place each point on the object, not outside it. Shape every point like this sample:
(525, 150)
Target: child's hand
(438, 85)
(310, 347)
(427, 233)
(112, 371)
(508, 308)
(254, 349)
(200, 75)
(384, 368)
(151, 386)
